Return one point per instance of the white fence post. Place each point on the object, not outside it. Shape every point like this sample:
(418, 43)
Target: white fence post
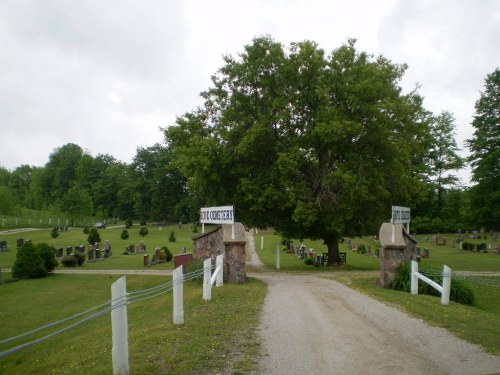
(261, 242)
(207, 274)
(219, 262)
(445, 294)
(178, 281)
(119, 327)
(277, 256)
(414, 278)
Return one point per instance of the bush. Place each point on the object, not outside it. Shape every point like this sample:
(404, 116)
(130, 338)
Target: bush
(460, 291)
(86, 229)
(143, 222)
(143, 231)
(29, 264)
(128, 223)
(172, 238)
(124, 234)
(168, 253)
(309, 261)
(93, 236)
(80, 258)
(362, 249)
(69, 261)
(48, 255)
(54, 233)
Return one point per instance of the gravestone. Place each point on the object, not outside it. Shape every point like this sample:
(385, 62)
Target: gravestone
(69, 250)
(19, 242)
(59, 252)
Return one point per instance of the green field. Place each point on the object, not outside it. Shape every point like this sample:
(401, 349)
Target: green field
(455, 258)
(158, 236)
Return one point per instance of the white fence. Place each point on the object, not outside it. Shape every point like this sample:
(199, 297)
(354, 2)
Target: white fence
(120, 298)
(443, 289)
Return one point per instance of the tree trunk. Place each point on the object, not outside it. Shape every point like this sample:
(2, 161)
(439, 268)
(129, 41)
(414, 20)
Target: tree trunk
(332, 244)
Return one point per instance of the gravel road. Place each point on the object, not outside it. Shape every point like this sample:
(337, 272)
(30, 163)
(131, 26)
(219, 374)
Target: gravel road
(312, 325)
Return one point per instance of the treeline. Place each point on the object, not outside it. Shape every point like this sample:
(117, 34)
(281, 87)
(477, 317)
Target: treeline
(81, 185)
(311, 144)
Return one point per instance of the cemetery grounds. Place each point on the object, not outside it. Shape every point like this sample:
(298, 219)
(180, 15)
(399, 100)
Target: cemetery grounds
(215, 335)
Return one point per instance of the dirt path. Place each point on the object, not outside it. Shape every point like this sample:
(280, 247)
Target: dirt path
(311, 325)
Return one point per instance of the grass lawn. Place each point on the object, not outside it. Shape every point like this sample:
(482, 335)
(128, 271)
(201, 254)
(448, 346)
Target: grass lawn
(217, 335)
(479, 324)
(158, 236)
(455, 258)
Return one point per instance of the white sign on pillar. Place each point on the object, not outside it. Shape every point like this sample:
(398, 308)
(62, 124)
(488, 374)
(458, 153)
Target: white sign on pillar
(401, 215)
(217, 215)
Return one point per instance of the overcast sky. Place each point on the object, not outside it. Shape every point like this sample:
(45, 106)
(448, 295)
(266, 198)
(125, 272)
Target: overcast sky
(108, 74)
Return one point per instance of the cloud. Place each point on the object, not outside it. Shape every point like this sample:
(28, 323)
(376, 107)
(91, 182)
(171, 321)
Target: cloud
(107, 74)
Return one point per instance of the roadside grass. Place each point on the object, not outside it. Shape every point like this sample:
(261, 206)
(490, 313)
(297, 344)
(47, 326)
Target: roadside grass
(217, 335)
(158, 236)
(479, 324)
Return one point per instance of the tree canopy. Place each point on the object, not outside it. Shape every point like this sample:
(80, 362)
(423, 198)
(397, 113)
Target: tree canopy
(314, 145)
(485, 154)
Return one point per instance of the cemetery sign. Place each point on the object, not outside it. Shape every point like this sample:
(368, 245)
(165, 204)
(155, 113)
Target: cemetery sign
(217, 215)
(400, 215)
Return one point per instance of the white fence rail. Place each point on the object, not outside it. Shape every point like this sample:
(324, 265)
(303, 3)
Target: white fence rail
(120, 298)
(443, 289)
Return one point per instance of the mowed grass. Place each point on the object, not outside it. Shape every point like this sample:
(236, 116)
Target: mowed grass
(479, 324)
(217, 335)
(454, 257)
(158, 236)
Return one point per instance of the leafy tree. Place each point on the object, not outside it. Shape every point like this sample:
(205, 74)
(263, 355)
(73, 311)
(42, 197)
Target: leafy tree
(29, 264)
(143, 231)
(315, 146)
(443, 158)
(93, 236)
(48, 255)
(76, 203)
(20, 181)
(485, 155)
(54, 233)
(124, 235)
(8, 200)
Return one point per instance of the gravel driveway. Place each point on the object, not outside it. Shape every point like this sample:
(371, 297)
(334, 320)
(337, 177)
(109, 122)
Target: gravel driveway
(315, 326)
(311, 325)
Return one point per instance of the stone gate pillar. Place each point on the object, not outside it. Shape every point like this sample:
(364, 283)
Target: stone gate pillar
(397, 247)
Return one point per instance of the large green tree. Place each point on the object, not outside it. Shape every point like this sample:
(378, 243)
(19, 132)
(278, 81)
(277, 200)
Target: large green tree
(485, 155)
(315, 146)
(443, 159)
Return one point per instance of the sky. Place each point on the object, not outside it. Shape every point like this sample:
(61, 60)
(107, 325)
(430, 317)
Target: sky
(107, 75)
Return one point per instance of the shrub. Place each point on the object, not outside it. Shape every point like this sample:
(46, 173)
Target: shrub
(128, 223)
(93, 236)
(48, 255)
(172, 238)
(29, 264)
(86, 229)
(309, 261)
(124, 234)
(362, 249)
(143, 222)
(80, 258)
(143, 231)
(54, 233)
(168, 253)
(460, 291)
(69, 261)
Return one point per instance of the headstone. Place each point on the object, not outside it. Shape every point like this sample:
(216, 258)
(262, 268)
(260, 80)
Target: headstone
(19, 242)
(69, 250)
(59, 252)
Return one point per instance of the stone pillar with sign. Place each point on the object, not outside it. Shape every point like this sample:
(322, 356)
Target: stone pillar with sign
(397, 247)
